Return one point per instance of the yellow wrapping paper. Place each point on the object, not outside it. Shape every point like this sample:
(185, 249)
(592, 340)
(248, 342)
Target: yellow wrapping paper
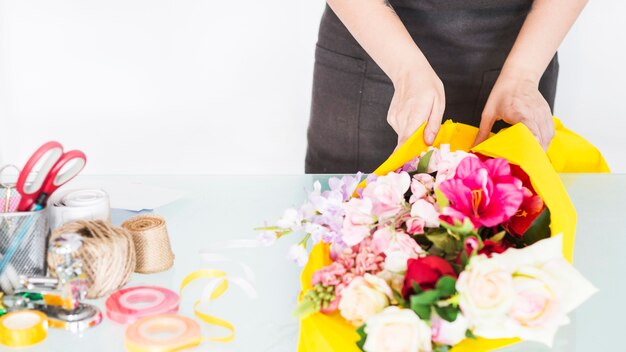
(568, 152)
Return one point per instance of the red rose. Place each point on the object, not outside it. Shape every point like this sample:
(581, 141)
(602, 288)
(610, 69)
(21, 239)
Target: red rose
(489, 248)
(425, 272)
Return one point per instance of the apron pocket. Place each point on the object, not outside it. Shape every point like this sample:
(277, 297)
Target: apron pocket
(489, 80)
(335, 110)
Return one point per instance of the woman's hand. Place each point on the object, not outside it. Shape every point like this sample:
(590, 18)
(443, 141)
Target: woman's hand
(517, 99)
(419, 97)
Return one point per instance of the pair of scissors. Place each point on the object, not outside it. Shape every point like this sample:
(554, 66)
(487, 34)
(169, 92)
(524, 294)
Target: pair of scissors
(57, 168)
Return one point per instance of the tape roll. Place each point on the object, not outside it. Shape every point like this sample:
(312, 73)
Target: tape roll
(23, 328)
(84, 204)
(127, 305)
(162, 333)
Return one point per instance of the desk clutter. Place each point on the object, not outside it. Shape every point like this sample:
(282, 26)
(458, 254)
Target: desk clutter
(59, 249)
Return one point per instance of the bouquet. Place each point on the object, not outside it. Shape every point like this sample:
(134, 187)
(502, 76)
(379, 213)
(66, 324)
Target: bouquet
(450, 250)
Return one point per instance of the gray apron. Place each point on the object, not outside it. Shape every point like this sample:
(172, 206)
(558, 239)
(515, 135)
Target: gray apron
(466, 42)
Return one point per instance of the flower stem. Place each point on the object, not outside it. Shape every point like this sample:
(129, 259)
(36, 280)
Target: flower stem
(304, 240)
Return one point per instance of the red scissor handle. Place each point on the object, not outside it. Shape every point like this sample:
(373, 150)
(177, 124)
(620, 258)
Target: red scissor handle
(30, 191)
(57, 169)
(56, 179)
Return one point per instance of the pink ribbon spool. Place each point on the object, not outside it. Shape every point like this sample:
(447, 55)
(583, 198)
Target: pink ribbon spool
(129, 304)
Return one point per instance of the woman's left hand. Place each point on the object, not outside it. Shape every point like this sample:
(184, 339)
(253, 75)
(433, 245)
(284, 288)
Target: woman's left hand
(513, 100)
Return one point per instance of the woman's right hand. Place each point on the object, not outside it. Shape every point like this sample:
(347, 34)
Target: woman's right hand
(418, 98)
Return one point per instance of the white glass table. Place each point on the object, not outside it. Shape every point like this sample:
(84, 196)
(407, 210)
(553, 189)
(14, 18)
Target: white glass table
(229, 207)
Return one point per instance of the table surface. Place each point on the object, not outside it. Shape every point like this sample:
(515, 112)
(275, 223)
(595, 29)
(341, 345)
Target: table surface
(220, 208)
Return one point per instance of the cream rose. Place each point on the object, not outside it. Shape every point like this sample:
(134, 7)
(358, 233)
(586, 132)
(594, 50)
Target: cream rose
(364, 297)
(486, 295)
(397, 330)
(536, 313)
(523, 293)
(546, 288)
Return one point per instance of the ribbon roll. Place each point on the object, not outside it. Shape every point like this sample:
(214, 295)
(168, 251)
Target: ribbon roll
(152, 243)
(127, 305)
(23, 328)
(146, 334)
(84, 204)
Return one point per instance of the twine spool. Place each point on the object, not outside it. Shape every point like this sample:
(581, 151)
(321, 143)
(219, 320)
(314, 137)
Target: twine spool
(152, 244)
(108, 255)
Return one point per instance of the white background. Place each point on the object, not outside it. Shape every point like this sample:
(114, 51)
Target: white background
(203, 86)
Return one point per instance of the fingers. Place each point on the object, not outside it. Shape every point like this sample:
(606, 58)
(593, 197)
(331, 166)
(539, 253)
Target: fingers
(541, 125)
(414, 121)
(434, 121)
(410, 120)
(546, 125)
(486, 124)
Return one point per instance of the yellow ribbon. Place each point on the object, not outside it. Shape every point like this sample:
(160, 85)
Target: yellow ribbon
(23, 328)
(219, 290)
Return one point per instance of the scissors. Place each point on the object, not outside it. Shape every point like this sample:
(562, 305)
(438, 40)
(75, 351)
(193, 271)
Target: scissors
(35, 194)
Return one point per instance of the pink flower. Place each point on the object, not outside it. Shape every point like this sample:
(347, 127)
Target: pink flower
(445, 162)
(387, 193)
(426, 211)
(484, 192)
(329, 275)
(415, 226)
(387, 239)
(448, 333)
(357, 221)
(422, 187)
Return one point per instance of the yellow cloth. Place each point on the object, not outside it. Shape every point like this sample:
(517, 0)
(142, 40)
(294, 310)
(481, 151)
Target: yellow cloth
(568, 152)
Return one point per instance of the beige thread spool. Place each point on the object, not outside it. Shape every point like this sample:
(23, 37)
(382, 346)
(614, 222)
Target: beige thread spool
(107, 254)
(152, 244)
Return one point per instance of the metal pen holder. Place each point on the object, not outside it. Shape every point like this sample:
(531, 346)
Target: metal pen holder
(23, 242)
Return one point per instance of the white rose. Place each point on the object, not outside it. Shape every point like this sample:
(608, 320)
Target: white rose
(396, 261)
(485, 296)
(523, 293)
(364, 297)
(537, 313)
(546, 288)
(394, 280)
(448, 333)
(397, 330)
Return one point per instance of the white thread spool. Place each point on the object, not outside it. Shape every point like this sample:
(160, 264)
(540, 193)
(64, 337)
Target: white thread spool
(84, 204)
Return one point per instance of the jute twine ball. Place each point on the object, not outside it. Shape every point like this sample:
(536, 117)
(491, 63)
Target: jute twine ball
(108, 255)
(152, 243)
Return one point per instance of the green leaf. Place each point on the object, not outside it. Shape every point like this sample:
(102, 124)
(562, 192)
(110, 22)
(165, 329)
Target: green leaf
(540, 228)
(362, 335)
(441, 198)
(464, 229)
(441, 348)
(470, 335)
(417, 289)
(422, 166)
(443, 241)
(446, 286)
(427, 297)
(464, 259)
(497, 238)
(448, 313)
(423, 311)
(398, 297)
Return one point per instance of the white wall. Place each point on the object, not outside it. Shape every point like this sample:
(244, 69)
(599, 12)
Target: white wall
(202, 86)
